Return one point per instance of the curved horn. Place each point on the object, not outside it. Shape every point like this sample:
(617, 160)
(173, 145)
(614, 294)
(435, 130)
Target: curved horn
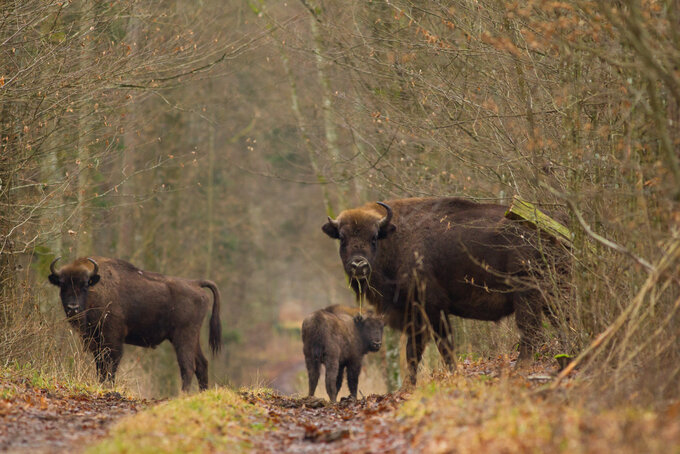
(333, 222)
(96, 267)
(384, 222)
(52, 265)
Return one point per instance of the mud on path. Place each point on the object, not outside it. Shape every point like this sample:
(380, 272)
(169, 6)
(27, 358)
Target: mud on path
(371, 424)
(311, 425)
(41, 420)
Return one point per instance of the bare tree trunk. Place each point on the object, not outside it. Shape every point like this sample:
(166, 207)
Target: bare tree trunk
(125, 243)
(53, 215)
(211, 201)
(327, 108)
(83, 221)
(6, 175)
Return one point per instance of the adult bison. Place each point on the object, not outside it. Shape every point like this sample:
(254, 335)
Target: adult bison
(111, 303)
(420, 259)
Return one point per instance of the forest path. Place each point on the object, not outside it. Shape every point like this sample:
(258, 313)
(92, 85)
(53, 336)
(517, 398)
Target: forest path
(307, 425)
(51, 418)
(486, 406)
(370, 424)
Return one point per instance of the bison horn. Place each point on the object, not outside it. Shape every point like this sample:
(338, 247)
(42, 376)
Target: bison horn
(96, 267)
(52, 265)
(384, 222)
(333, 222)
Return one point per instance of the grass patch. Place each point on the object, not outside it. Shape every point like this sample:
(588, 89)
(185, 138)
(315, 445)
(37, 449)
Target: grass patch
(17, 376)
(218, 420)
(484, 414)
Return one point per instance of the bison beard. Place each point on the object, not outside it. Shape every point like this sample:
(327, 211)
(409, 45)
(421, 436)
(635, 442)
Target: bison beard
(125, 305)
(420, 260)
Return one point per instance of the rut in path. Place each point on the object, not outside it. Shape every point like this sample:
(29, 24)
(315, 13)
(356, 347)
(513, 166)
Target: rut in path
(310, 425)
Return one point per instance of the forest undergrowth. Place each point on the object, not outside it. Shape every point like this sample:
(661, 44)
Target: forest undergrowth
(486, 406)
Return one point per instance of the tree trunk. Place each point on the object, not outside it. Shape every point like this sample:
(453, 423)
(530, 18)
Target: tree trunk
(83, 221)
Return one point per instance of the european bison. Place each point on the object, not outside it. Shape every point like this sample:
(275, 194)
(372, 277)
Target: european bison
(111, 302)
(338, 337)
(420, 259)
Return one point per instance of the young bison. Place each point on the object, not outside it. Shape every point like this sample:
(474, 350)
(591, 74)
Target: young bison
(339, 337)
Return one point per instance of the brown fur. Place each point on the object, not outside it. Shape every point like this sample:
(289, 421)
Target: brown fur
(338, 337)
(125, 305)
(441, 256)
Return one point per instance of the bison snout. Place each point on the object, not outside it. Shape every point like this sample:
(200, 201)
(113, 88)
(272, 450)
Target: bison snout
(359, 267)
(375, 346)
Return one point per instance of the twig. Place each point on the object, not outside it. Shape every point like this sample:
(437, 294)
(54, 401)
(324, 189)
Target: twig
(666, 260)
(599, 238)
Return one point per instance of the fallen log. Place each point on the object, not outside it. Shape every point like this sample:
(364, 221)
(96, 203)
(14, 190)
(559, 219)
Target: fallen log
(521, 210)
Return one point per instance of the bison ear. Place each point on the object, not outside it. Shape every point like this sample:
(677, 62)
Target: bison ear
(386, 231)
(54, 279)
(93, 280)
(330, 228)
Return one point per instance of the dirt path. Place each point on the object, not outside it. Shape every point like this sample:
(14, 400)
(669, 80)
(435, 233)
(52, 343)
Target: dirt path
(370, 425)
(40, 420)
(305, 425)
(57, 419)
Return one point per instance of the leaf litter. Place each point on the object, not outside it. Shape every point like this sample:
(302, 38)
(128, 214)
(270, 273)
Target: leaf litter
(55, 418)
(310, 425)
(488, 405)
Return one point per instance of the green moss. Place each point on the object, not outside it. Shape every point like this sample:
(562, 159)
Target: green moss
(215, 420)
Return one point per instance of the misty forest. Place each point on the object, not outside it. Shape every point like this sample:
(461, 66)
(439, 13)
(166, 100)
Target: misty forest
(217, 146)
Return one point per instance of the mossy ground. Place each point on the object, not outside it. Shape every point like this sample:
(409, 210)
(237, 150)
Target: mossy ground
(218, 420)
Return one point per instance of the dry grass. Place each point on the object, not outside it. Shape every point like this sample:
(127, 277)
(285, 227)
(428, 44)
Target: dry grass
(36, 337)
(489, 408)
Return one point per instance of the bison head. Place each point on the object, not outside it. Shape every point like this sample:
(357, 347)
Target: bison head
(371, 331)
(74, 281)
(359, 232)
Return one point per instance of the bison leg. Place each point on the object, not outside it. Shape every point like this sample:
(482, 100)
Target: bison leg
(353, 371)
(444, 340)
(186, 358)
(102, 367)
(313, 371)
(415, 346)
(107, 360)
(528, 319)
(331, 379)
(201, 369)
(552, 316)
(338, 381)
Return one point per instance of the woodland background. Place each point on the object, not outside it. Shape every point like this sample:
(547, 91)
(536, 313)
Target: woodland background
(211, 139)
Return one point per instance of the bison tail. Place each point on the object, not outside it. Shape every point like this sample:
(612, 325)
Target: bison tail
(215, 337)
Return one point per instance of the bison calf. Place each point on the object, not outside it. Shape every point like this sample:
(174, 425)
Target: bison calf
(338, 337)
(121, 304)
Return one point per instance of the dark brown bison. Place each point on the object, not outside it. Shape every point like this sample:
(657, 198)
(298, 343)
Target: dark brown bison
(419, 260)
(338, 337)
(111, 303)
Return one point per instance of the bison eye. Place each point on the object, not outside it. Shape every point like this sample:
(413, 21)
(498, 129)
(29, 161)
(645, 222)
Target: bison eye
(374, 241)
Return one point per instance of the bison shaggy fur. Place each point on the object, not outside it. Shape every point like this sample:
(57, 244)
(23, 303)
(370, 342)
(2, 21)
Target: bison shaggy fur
(420, 260)
(111, 302)
(338, 337)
